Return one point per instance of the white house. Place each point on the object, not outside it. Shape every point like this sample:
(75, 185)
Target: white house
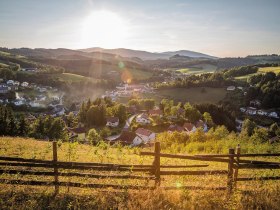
(19, 102)
(24, 84)
(243, 109)
(41, 98)
(143, 119)
(251, 111)
(255, 103)
(273, 114)
(35, 104)
(129, 138)
(189, 127)
(112, 122)
(231, 88)
(201, 124)
(145, 135)
(261, 112)
(16, 83)
(10, 82)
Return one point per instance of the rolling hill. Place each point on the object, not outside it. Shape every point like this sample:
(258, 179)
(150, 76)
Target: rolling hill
(144, 55)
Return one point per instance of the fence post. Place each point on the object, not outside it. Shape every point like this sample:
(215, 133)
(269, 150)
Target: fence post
(55, 169)
(157, 163)
(238, 151)
(230, 171)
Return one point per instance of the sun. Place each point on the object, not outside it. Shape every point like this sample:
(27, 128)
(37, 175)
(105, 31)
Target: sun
(104, 29)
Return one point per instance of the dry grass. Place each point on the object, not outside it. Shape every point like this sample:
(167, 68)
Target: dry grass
(250, 195)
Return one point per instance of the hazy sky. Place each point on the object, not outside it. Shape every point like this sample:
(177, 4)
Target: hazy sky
(216, 27)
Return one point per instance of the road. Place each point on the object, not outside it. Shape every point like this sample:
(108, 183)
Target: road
(126, 126)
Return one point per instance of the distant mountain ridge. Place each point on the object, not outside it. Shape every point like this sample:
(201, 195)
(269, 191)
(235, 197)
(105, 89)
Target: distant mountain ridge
(145, 55)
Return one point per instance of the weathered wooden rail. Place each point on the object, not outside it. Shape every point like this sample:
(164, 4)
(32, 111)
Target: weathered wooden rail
(155, 171)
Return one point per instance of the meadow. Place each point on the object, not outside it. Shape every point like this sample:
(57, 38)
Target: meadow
(250, 195)
(198, 69)
(263, 70)
(192, 95)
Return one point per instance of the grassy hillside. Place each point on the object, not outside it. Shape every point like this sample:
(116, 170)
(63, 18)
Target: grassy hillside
(193, 95)
(263, 70)
(251, 195)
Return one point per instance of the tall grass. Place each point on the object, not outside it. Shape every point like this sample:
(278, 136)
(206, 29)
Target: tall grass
(249, 195)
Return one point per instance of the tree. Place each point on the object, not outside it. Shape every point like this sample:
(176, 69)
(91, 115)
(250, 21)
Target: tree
(260, 134)
(83, 113)
(208, 119)
(57, 130)
(192, 113)
(12, 126)
(71, 120)
(23, 128)
(105, 132)
(248, 127)
(121, 113)
(93, 136)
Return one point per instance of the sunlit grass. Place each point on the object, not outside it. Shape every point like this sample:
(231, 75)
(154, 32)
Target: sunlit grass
(250, 195)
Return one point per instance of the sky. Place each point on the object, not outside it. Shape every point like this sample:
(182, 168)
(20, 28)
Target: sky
(223, 28)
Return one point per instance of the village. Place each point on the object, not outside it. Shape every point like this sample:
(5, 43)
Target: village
(32, 97)
(50, 101)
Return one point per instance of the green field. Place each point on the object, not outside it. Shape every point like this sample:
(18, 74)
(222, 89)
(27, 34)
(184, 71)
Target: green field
(276, 70)
(198, 69)
(136, 74)
(192, 95)
(72, 78)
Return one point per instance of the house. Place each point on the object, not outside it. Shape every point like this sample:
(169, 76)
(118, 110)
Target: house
(155, 113)
(10, 82)
(132, 109)
(16, 83)
(239, 124)
(189, 127)
(273, 114)
(201, 124)
(274, 139)
(242, 109)
(4, 89)
(41, 98)
(112, 122)
(262, 112)
(173, 128)
(251, 111)
(143, 119)
(255, 103)
(19, 102)
(24, 84)
(30, 118)
(129, 138)
(231, 88)
(36, 104)
(79, 133)
(145, 134)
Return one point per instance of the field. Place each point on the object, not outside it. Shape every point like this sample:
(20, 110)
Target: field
(250, 195)
(72, 78)
(192, 95)
(198, 69)
(276, 70)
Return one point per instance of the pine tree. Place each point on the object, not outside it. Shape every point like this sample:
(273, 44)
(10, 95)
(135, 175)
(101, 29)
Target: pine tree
(12, 126)
(23, 127)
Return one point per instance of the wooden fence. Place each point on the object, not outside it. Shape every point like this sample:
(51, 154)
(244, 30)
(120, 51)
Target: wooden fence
(156, 171)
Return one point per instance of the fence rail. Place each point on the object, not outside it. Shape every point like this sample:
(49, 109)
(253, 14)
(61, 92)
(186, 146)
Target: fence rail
(155, 171)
